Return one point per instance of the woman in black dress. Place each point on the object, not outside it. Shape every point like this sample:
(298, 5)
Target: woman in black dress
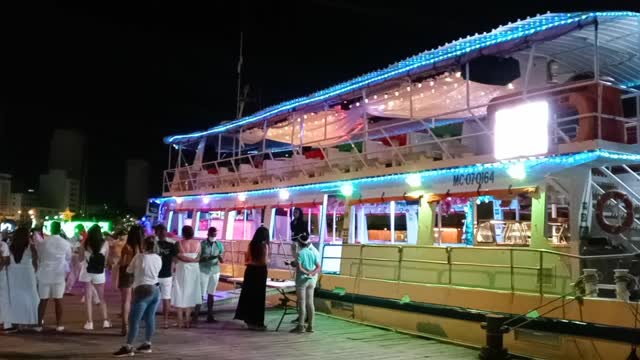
(252, 298)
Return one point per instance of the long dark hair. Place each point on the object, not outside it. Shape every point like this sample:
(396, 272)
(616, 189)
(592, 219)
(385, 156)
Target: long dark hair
(134, 238)
(258, 242)
(95, 241)
(19, 243)
(299, 211)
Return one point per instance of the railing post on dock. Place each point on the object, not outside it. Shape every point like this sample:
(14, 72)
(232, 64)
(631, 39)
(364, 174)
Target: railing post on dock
(494, 348)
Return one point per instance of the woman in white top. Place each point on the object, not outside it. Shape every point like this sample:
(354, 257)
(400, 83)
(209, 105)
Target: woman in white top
(186, 292)
(94, 254)
(145, 268)
(21, 274)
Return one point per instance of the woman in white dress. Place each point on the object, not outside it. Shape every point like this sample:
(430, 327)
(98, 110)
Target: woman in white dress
(5, 308)
(94, 254)
(21, 274)
(186, 293)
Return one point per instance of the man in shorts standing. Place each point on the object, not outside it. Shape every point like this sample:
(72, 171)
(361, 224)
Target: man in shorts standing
(167, 249)
(54, 256)
(211, 251)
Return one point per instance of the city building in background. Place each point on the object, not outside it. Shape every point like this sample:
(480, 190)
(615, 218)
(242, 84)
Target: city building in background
(137, 184)
(5, 195)
(59, 191)
(68, 153)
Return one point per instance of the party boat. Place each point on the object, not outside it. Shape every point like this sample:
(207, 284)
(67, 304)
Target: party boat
(497, 176)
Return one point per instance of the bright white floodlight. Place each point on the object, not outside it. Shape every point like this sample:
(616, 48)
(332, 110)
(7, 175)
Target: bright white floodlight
(522, 130)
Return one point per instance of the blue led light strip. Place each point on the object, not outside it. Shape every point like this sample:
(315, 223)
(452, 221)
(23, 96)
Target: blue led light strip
(463, 46)
(572, 159)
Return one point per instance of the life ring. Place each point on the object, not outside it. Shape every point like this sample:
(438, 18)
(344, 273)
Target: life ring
(618, 196)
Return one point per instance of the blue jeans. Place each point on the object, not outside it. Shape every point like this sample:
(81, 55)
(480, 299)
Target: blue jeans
(143, 309)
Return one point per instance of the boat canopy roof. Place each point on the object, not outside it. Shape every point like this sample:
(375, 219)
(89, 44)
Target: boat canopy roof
(619, 38)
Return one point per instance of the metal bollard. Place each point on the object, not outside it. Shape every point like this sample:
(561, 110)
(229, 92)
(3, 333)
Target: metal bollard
(494, 349)
(590, 282)
(622, 279)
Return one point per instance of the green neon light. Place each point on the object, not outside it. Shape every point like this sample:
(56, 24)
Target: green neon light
(70, 226)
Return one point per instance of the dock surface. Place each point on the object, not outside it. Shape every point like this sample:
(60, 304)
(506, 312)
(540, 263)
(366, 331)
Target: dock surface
(225, 340)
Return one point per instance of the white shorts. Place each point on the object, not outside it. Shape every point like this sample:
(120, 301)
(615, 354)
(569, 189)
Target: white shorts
(51, 291)
(95, 279)
(165, 287)
(209, 283)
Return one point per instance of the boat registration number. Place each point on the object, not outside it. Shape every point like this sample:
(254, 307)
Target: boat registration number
(479, 178)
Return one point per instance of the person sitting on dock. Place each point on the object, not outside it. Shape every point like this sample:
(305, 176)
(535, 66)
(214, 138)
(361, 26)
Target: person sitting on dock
(306, 278)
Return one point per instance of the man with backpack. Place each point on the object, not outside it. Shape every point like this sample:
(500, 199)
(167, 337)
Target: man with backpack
(211, 252)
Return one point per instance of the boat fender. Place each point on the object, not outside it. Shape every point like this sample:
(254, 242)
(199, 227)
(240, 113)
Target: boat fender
(618, 196)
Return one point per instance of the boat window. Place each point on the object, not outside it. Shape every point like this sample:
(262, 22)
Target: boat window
(511, 221)
(378, 222)
(335, 221)
(390, 222)
(451, 216)
(208, 219)
(557, 224)
(244, 225)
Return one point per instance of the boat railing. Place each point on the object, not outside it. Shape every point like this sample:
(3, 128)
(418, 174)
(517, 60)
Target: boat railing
(512, 269)
(270, 168)
(235, 251)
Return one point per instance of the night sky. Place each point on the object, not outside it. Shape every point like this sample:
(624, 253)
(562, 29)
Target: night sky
(129, 75)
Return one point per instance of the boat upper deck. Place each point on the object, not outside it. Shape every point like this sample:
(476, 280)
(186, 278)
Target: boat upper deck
(553, 84)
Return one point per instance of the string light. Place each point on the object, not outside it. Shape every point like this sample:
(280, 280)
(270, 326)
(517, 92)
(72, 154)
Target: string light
(449, 51)
(562, 160)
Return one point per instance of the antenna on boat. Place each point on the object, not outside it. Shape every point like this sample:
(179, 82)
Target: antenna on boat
(239, 100)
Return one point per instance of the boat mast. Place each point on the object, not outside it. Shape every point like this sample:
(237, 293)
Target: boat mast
(239, 100)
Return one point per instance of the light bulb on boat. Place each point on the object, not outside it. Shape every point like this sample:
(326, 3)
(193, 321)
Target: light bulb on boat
(517, 171)
(414, 180)
(346, 189)
(283, 194)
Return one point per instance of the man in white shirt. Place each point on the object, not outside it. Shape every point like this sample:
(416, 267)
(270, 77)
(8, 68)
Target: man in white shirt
(54, 256)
